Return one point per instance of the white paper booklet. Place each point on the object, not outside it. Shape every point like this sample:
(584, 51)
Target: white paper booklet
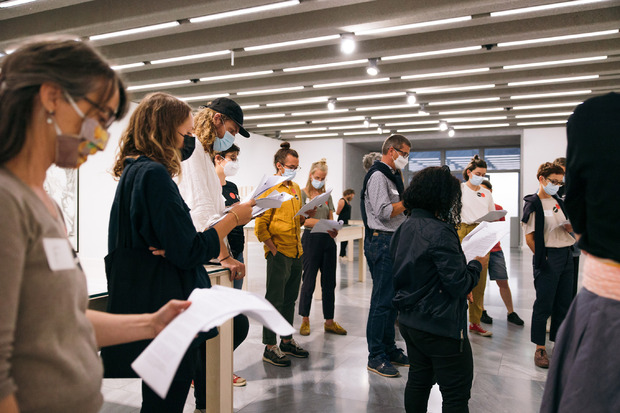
(483, 238)
(273, 200)
(492, 216)
(210, 307)
(266, 183)
(324, 225)
(316, 201)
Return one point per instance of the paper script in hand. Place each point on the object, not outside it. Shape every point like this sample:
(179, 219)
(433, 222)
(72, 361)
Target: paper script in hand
(483, 238)
(273, 200)
(324, 225)
(316, 201)
(492, 216)
(210, 307)
(266, 183)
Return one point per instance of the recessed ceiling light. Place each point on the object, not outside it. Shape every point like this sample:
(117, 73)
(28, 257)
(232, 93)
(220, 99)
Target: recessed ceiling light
(412, 26)
(352, 82)
(158, 85)
(557, 38)
(292, 43)
(325, 65)
(241, 12)
(235, 76)
(555, 62)
(189, 57)
(555, 80)
(546, 95)
(542, 7)
(448, 73)
(135, 30)
(432, 53)
(276, 90)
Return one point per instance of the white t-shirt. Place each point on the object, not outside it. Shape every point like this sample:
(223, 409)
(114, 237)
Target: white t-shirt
(555, 234)
(476, 204)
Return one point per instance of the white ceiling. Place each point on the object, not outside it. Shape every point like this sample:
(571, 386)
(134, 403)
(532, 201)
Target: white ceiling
(498, 101)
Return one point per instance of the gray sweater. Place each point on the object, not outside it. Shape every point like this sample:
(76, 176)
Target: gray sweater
(48, 354)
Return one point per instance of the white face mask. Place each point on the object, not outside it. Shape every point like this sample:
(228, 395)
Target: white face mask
(476, 180)
(231, 168)
(401, 162)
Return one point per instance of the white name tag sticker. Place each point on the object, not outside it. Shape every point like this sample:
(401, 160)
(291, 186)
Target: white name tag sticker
(59, 254)
(548, 213)
(395, 191)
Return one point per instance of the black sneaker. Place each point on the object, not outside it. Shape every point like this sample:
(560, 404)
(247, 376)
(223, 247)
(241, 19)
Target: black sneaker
(398, 358)
(276, 357)
(485, 318)
(515, 319)
(382, 366)
(293, 349)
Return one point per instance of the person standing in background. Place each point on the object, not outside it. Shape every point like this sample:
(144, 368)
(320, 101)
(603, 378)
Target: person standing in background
(344, 214)
(383, 212)
(477, 201)
(319, 254)
(499, 274)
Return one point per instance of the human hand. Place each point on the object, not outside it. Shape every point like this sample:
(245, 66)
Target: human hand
(568, 228)
(236, 268)
(168, 312)
(310, 213)
(470, 297)
(158, 252)
(484, 261)
(243, 211)
(333, 233)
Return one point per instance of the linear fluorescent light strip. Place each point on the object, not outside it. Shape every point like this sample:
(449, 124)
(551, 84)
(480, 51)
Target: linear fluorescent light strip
(413, 26)
(317, 135)
(245, 107)
(551, 122)
(459, 120)
(492, 125)
(550, 105)
(421, 122)
(463, 101)
(303, 130)
(318, 112)
(352, 82)
(190, 57)
(431, 53)
(360, 126)
(548, 95)
(266, 116)
(407, 115)
(370, 132)
(321, 99)
(156, 85)
(555, 62)
(465, 111)
(336, 120)
(544, 115)
(277, 90)
(14, 3)
(127, 66)
(203, 97)
(542, 7)
(236, 76)
(375, 96)
(241, 12)
(292, 43)
(269, 125)
(434, 90)
(325, 65)
(557, 38)
(418, 130)
(385, 107)
(449, 73)
(135, 30)
(556, 80)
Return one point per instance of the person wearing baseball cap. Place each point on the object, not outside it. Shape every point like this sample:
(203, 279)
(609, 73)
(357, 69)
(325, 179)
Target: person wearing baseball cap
(228, 120)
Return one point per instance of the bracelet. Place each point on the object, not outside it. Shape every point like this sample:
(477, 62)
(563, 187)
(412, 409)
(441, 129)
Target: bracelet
(236, 216)
(225, 258)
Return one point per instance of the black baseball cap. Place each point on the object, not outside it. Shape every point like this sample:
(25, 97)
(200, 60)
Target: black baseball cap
(231, 109)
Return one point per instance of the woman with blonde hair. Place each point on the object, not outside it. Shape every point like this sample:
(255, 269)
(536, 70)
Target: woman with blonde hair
(149, 213)
(319, 254)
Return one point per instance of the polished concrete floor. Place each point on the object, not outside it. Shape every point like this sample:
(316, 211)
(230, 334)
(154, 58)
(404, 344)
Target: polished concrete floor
(334, 378)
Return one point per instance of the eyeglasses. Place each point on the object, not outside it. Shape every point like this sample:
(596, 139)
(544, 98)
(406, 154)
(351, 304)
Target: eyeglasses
(293, 167)
(405, 154)
(110, 115)
(555, 182)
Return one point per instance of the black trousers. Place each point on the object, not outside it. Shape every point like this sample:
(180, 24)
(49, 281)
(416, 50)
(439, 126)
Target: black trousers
(319, 254)
(241, 326)
(343, 248)
(442, 360)
(553, 282)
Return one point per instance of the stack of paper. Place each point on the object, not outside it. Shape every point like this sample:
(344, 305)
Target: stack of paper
(210, 307)
(316, 201)
(493, 216)
(324, 225)
(481, 240)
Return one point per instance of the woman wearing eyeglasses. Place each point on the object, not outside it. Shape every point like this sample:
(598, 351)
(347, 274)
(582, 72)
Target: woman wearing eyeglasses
(547, 233)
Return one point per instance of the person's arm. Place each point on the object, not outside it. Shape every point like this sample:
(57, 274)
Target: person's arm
(397, 209)
(111, 329)
(377, 190)
(261, 230)
(9, 404)
(529, 240)
(340, 206)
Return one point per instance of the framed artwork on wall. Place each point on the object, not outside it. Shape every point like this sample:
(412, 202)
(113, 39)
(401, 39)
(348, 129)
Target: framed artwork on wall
(63, 186)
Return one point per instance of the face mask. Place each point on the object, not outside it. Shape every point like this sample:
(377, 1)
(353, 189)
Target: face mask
(551, 189)
(189, 144)
(317, 184)
(289, 173)
(476, 180)
(401, 162)
(231, 168)
(72, 150)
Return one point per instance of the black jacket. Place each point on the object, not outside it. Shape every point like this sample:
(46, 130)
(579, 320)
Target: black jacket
(431, 277)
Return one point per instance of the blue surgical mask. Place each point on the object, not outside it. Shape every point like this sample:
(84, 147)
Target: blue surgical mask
(476, 180)
(289, 173)
(551, 189)
(222, 144)
(317, 184)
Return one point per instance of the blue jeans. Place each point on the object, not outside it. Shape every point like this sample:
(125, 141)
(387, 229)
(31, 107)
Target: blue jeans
(380, 330)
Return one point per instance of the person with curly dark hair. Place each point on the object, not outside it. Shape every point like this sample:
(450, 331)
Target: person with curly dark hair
(432, 281)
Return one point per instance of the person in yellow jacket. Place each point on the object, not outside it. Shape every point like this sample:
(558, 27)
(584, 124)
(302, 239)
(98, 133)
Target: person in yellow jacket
(280, 230)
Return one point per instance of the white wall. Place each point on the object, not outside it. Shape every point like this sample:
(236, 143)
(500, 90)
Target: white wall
(255, 160)
(538, 146)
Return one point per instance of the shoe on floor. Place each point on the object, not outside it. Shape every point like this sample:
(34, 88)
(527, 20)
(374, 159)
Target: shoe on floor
(476, 328)
(293, 349)
(540, 358)
(398, 358)
(382, 366)
(304, 330)
(239, 381)
(335, 328)
(276, 357)
(485, 318)
(515, 319)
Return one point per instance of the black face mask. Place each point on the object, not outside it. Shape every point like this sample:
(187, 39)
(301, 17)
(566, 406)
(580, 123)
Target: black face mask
(189, 144)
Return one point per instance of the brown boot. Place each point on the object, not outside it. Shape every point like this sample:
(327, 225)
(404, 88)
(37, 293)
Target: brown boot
(540, 358)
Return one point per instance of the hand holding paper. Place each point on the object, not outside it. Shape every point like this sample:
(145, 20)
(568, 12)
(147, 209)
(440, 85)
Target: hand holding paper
(481, 240)
(325, 225)
(316, 201)
(492, 216)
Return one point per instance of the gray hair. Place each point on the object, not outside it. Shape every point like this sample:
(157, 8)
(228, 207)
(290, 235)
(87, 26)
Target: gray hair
(369, 159)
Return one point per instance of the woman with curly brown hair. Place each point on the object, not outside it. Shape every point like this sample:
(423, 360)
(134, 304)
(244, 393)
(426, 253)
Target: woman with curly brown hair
(432, 281)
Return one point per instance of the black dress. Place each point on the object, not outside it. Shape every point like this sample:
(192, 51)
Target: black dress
(345, 216)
